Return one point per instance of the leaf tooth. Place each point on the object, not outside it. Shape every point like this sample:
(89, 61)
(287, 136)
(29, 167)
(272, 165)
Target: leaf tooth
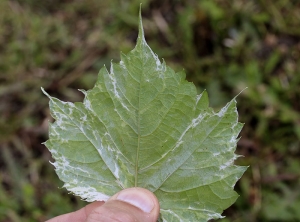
(43, 90)
(83, 91)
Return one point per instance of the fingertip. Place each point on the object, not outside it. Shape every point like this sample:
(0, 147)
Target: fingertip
(132, 204)
(140, 198)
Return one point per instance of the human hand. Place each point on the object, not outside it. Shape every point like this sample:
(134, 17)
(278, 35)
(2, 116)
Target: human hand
(132, 204)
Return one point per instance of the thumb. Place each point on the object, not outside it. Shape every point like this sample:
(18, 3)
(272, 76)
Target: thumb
(132, 204)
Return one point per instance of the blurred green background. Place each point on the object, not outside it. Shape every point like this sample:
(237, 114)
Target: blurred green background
(224, 47)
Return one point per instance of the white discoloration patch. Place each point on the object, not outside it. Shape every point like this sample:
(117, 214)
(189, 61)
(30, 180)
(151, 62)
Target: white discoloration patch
(198, 98)
(53, 151)
(63, 164)
(109, 148)
(114, 83)
(95, 133)
(194, 123)
(84, 118)
(87, 104)
(213, 215)
(234, 125)
(81, 129)
(157, 61)
(173, 214)
(116, 171)
(197, 120)
(59, 122)
(227, 164)
(159, 66)
(122, 64)
(216, 154)
(87, 193)
(222, 111)
(232, 139)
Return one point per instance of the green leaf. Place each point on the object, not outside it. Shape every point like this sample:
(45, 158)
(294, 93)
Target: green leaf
(144, 125)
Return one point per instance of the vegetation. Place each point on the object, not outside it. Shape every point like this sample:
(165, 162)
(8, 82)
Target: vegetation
(224, 45)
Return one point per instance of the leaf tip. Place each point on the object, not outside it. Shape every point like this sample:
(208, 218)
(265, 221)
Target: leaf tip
(141, 37)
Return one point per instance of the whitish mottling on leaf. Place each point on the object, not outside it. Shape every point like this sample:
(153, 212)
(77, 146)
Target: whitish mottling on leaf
(144, 125)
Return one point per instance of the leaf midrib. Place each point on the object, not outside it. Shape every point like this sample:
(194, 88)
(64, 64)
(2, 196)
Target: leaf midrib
(138, 132)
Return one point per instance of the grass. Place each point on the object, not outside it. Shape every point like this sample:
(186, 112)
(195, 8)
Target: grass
(224, 46)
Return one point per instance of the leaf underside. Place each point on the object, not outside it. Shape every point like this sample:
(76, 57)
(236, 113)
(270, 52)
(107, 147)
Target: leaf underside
(144, 125)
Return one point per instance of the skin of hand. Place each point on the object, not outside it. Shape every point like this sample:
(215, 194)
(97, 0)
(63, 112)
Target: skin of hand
(129, 205)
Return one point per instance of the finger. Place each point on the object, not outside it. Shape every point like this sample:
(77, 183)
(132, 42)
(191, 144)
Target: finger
(132, 204)
(79, 215)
